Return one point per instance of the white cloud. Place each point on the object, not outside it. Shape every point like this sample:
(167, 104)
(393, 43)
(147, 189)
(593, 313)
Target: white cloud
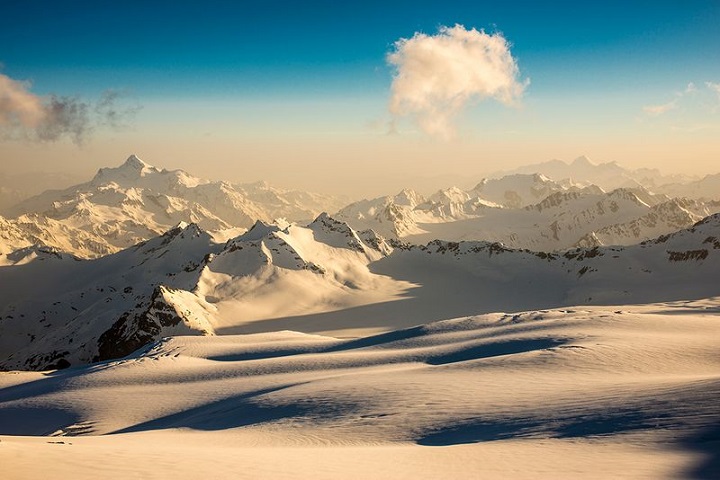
(691, 98)
(438, 75)
(656, 110)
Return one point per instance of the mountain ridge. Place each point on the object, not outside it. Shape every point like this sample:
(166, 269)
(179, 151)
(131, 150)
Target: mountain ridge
(319, 278)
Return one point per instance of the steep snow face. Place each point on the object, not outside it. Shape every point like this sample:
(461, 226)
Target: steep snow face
(662, 218)
(136, 173)
(296, 270)
(122, 206)
(323, 278)
(392, 216)
(58, 310)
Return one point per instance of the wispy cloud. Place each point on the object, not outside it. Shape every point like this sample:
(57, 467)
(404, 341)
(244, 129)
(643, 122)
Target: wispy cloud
(679, 99)
(692, 110)
(714, 87)
(438, 75)
(28, 116)
(656, 110)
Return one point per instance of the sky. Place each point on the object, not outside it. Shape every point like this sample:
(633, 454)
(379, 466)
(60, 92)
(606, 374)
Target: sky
(358, 97)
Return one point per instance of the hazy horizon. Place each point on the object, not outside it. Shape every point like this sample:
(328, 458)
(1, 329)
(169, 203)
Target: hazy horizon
(362, 102)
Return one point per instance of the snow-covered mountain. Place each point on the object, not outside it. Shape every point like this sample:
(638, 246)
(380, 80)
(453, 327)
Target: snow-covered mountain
(707, 187)
(325, 277)
(568, 216)
(401, 216)
(668, 216)
(521, 190)
(35, 229)
(608, 176)
(122, 206)
(57, 306)
(131, 203)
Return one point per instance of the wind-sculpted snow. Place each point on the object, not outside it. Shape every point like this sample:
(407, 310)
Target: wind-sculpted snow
(610, 385)
(323, 278)
(219, 339)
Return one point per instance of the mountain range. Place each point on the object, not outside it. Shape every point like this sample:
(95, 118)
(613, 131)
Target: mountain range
(125, 205)
(134, 202)
(322, 278)
(507, 210)
(156, 323)
(98, 270)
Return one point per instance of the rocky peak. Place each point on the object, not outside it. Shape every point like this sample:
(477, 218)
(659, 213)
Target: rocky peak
(134, 163)
(132, 169)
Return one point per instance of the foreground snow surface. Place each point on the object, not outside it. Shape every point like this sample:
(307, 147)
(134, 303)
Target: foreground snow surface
(597, 392)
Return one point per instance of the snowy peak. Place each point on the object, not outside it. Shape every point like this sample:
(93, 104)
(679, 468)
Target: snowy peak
(132, 170)
(170, 312)
(257, 232)
(335, 233)
(134, 163)
(135, 201)
(180, 283)
(449, 196)
(38, 252)
(185, 230)
(517, 190)
(626, 194)
(408, 198)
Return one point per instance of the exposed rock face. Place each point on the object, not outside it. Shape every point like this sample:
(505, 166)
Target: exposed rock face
(133, 330)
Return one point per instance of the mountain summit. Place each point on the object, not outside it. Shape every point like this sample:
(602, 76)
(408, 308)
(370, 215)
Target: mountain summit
(135, 201)
(132, 170)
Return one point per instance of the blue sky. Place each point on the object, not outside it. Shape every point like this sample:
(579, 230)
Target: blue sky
(267, 72)
(186, 48)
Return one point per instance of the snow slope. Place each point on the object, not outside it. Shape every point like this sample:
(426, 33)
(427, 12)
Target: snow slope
(58, 309)
(323, 278)
(591, 392)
